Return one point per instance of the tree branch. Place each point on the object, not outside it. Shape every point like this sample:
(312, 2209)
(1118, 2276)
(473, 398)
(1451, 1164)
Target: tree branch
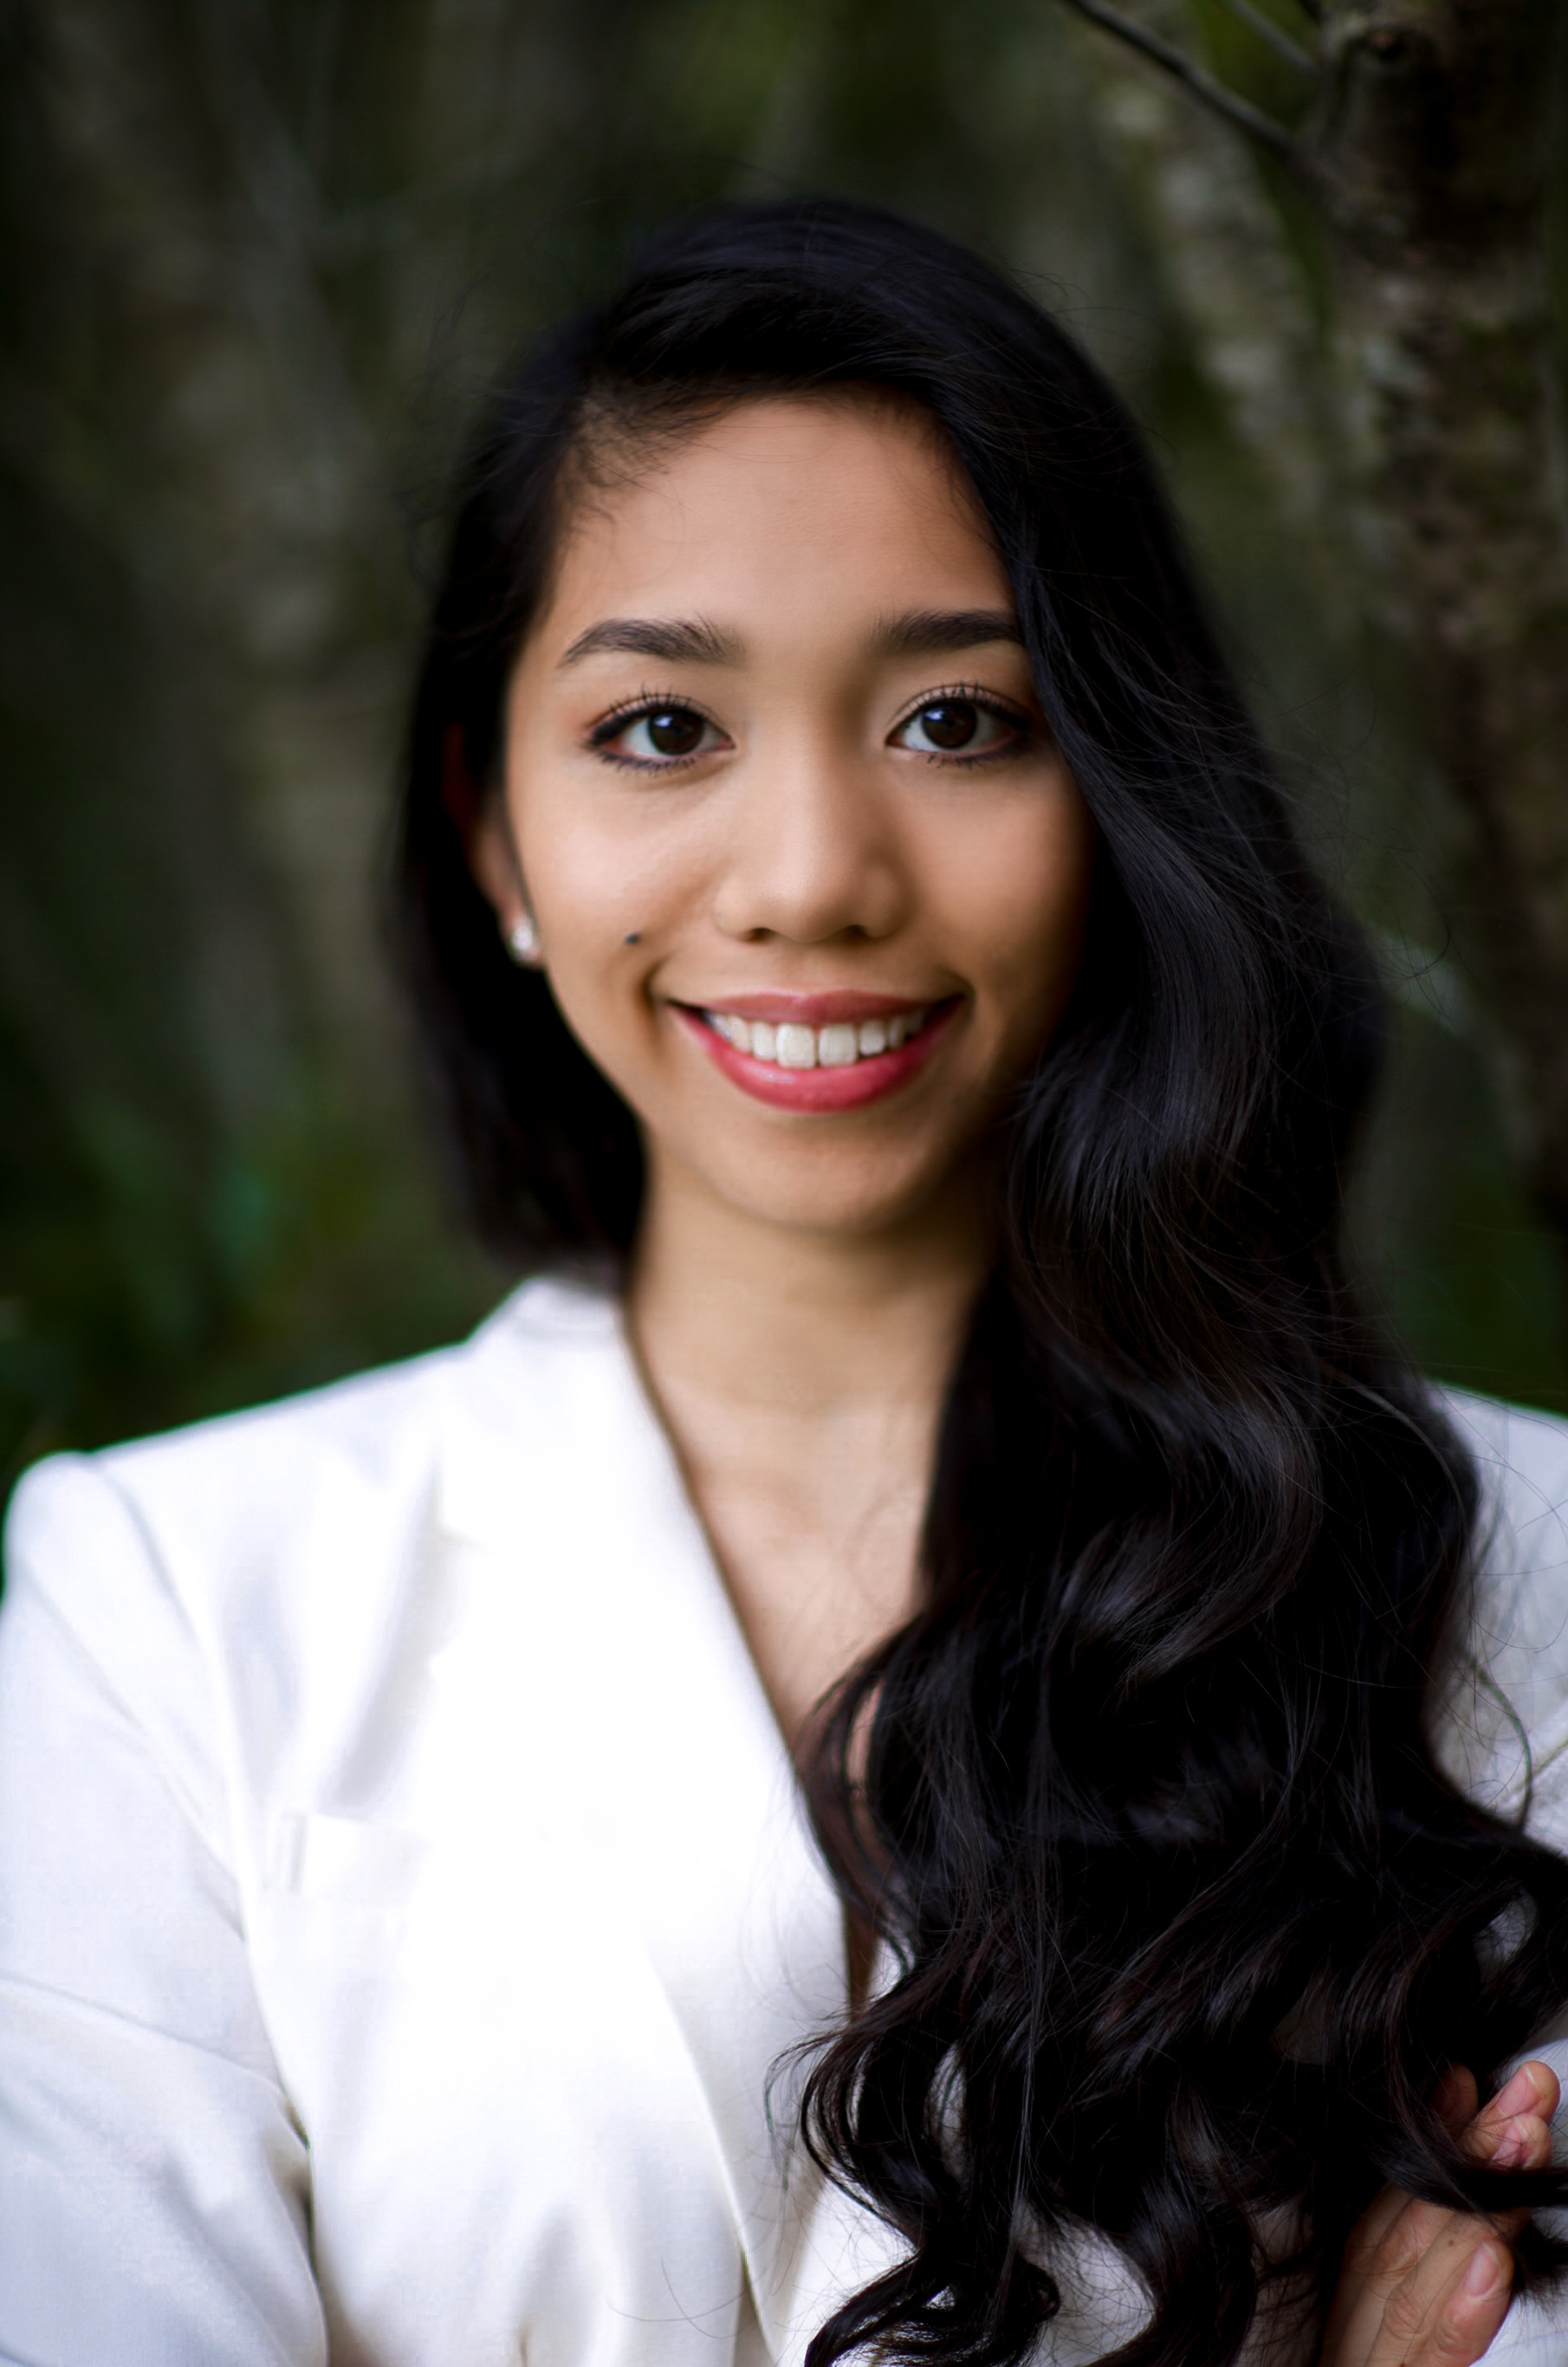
(1273, 35)
(1210, 93)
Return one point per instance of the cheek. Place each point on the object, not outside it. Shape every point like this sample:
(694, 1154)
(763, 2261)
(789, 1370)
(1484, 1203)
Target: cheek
(1018, 894)
(595, 873)
(580, 885)
(611, 886)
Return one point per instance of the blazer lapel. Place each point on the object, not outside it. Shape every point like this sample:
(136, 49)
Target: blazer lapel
(599, 1582)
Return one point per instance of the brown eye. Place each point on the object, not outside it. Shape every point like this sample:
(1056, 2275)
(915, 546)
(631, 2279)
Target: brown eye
(958, 727)
(952, 723)
(674, 731)
(658, 736)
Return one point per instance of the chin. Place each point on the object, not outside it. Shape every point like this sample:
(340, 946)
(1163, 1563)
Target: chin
(804, 1199)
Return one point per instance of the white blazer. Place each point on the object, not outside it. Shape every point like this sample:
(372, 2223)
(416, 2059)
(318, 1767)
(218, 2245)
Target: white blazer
(405, 1901)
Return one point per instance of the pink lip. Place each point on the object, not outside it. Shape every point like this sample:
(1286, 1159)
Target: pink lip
(826, 1009)
(817, 1089)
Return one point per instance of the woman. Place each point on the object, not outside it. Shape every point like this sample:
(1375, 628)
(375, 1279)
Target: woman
(873, 976)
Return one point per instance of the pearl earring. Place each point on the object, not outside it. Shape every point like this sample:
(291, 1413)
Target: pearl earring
(523, 942)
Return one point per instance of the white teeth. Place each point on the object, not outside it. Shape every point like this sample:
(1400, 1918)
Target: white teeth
(835, 1046)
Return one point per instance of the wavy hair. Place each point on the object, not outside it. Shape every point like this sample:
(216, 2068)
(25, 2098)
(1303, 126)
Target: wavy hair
(1186, 1918)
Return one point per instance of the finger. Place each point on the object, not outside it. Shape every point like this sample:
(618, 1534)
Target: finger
(1460, 2327)
(1513, 2129)
(1458, 2099)
(1523, 2145)
(1447, 2321)
(1395, 2229)
(1474, 2308)
(1422, 2247)
(1423, 2251)
(1374, 2228)
(1392, 2235)
(1350, 2319)
(1532, 2088)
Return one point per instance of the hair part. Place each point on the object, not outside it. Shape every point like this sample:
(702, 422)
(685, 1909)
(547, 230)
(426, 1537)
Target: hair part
(1186, 1919)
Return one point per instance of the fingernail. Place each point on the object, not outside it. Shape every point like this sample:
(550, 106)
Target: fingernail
(1517, 2095)
(1485, 2272)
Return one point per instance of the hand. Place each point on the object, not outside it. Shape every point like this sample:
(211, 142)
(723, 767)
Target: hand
(1422, 2286)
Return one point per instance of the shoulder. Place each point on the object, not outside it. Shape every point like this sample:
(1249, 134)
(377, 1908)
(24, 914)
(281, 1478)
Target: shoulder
(1504, 1719)
(208, 1515)
(261, 1601)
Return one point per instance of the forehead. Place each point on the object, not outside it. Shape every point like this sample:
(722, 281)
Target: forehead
(838, 503)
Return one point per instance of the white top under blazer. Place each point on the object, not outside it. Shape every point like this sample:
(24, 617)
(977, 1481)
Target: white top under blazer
(405, 1902)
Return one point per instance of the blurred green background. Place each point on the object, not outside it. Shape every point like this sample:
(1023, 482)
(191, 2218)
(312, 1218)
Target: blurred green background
(257, 257)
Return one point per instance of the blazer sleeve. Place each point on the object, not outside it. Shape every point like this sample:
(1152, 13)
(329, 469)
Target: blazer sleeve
(1511, 1745)
(154, 2181)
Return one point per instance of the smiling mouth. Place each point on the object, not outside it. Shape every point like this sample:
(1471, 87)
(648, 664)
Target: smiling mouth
(845, 1063)
(842, 1045)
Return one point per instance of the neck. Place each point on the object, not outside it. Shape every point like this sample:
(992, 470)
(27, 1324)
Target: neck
(803, 1323)
(801, 1376)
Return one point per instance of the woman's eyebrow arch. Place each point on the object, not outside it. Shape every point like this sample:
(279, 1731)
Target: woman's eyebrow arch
(939, 632)
(692, 640)
(689, 641)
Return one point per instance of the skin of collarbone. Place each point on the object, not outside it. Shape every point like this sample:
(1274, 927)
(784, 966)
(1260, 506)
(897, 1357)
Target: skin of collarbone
(773, 755)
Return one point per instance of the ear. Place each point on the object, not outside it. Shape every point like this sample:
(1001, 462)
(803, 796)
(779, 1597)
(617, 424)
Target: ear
(480, 823)
(459, 798)
(493, 864)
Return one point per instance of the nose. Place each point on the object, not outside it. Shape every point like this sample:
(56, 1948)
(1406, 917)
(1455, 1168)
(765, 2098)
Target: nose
(810, 851)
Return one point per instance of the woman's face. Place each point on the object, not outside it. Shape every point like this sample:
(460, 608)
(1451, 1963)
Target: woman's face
(808, 874)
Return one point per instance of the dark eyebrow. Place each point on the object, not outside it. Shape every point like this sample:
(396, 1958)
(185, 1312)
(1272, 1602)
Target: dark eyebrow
(689, 641)
(937, 632)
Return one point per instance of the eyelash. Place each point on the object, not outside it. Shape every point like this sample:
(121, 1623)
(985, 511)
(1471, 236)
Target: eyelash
(975, 694)
(652, 702)
(632, 711)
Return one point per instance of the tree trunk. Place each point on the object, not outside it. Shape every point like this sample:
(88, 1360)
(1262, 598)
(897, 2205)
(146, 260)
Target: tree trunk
(1425, 153)
(1429, 146)
(251, 443)
(1230, 271)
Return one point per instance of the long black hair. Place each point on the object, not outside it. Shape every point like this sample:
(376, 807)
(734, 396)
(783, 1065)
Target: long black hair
(1186, 1918)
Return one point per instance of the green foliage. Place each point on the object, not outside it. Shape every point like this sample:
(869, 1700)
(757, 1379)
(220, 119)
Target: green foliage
(1462, 1269)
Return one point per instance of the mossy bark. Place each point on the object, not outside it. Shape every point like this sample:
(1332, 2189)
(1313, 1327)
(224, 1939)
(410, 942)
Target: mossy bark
(1429, 150)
